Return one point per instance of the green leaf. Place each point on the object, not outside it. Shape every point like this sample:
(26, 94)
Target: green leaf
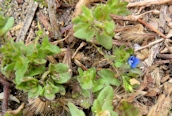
(61, 68)
(8, 24)
(87, 13)
(74, 110)
(135, 72)
(109, 27)
(87, 85)
(27, 84)
(112, 2)
(97, 86)
(49, 96)
(39, 61)
(36, 93)
(35, 71)
(21, 68)
(118, 64)
(86, 78)
(108, 77)
(49, 48)
(101, 12)
(104, 101)
(62, 78)
(86, 33)
(105, 40)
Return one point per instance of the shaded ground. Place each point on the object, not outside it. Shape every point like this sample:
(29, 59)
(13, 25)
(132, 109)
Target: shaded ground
(150, 36)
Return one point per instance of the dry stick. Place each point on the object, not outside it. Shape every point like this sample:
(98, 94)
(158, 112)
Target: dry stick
(80, 46)
(152, 28)
(28, 20)
(6, 86)
(148, 3)
(150, 44)
(165, 56)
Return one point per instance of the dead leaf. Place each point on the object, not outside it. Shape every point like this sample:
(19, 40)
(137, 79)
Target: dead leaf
(133, 81)
(136, 34)
(143, 54)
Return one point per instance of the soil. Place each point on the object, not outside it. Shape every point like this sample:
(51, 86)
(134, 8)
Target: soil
(150, 37)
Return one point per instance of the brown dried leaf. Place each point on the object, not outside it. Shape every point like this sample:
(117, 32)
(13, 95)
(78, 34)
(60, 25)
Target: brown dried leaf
(143, 54)
(136, 34)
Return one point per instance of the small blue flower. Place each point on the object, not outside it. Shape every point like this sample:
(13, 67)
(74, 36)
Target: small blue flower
(133, 61)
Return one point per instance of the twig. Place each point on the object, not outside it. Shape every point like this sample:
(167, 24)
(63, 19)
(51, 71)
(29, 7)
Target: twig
(165, 56)
(77, 62)
(28, 20)
(137, 18)
(152, 28)
(148, 3)
(150, 44)
(6, 86)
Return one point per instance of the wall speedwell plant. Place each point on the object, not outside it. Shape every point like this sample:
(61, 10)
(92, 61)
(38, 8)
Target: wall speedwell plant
(27, 67)
(97, 22)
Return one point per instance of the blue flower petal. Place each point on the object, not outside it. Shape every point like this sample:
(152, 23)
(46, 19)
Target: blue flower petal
(133, 61)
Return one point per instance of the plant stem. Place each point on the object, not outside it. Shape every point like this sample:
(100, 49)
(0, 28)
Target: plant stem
(6, 86)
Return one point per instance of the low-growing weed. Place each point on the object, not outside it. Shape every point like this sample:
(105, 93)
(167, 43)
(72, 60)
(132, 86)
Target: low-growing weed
(97, 22)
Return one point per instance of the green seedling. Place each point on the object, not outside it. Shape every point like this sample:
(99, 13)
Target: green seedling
(5, 24)
(97, 22)
(103, 103)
